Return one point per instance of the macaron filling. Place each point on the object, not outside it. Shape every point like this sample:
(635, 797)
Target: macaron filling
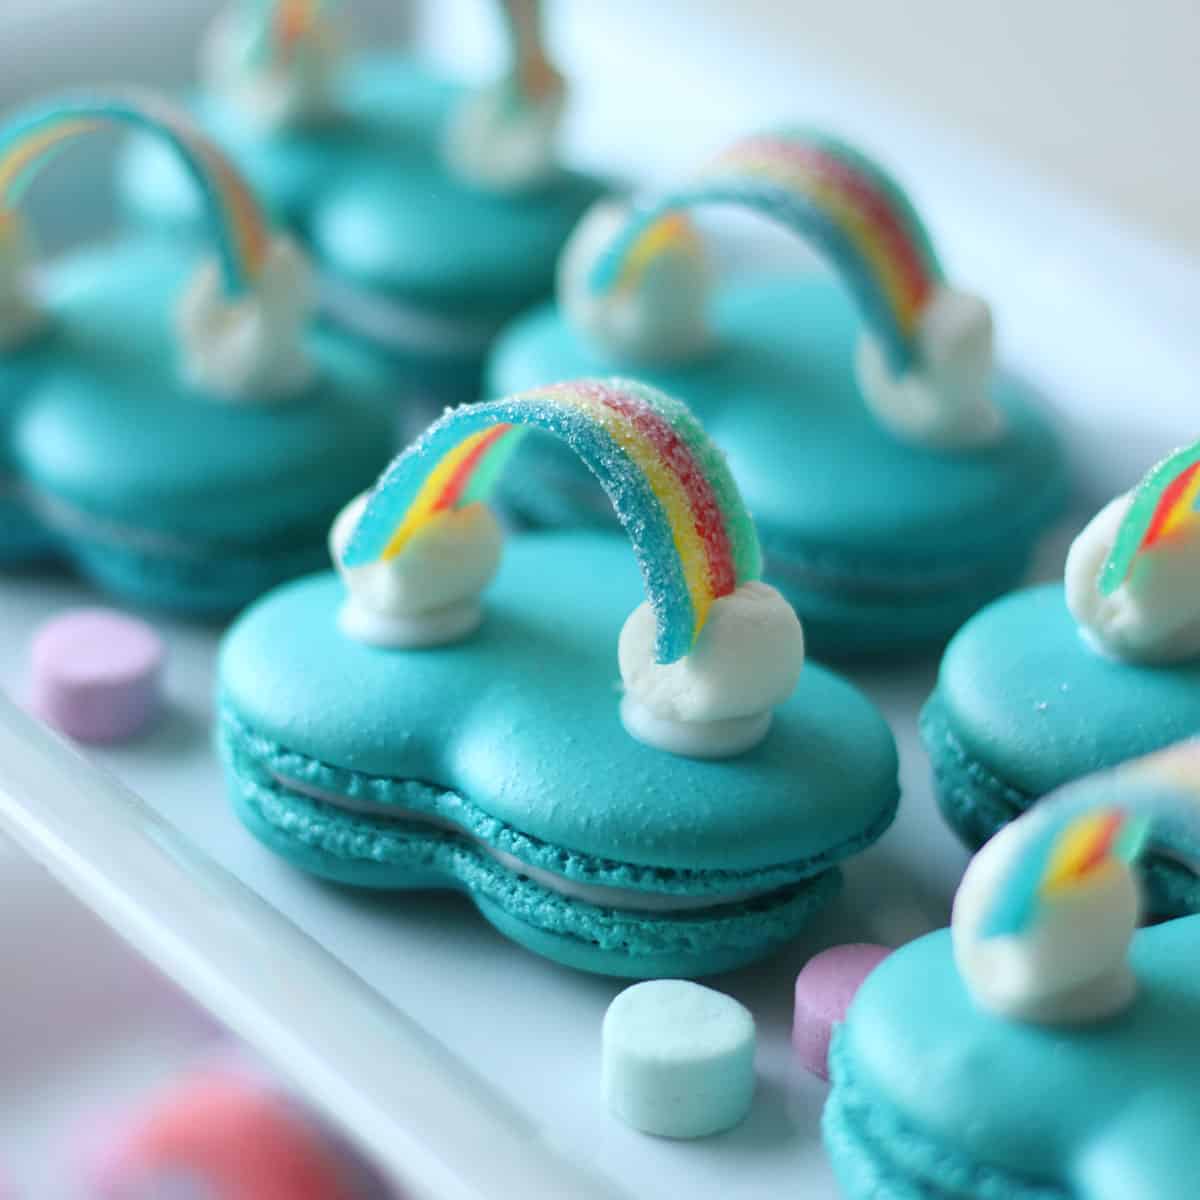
(278, 782)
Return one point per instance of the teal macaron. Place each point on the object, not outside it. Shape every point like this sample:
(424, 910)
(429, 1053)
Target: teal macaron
(1054, 682)
(1081, 1023)
(193, 462)
(898, 480)
(435, 213)
(501, 761)
(22, 537)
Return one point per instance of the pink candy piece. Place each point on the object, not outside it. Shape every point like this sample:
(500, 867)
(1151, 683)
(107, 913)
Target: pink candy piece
(824, 990)
(97, 674)
(226, 1134)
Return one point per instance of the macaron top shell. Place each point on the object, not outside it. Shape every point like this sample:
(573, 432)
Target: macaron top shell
(521, 720)
(1102, 1111)
(112, 428)
(286, 167)
(777, 392)
(1031, 701)
(398, 221)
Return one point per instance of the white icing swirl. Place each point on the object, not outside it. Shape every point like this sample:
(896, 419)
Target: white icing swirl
(1154, 616)
(661, 317)
(502, 140)
(716, 701)
(20, 314)
(273, 94)
(250, 347)
(429, 595)
(945, 400)
(1072, 965)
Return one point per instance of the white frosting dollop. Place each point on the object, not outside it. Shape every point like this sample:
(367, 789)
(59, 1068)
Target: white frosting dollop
(1072, 965)
(429, 595)
(272, 94)
(503, 141)
(20, 314)
(250, 347)
(716, 701)
(662, 317)
(1154, 616)
(945, 400)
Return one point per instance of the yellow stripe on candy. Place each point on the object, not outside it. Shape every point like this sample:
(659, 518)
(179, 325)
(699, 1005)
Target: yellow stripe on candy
(672, 230)
(669, 492)
(846, 214)
(26, 154)
(1076, 849)
(1183, 511)
(426, 502)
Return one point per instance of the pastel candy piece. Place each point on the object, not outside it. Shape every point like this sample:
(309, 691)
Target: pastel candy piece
(1024, 705)
(933, 1095)
(824, 989)
(499, 766)
(881, 545)
(97, 675)
(220, 1132)
(678, 1059)
(167, 496)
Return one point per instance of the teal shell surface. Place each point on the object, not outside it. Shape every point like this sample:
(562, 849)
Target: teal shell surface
(878, 543)
(934, 1097)
(21, 535)
(514, 736)
(1023, 705)
(165, 494)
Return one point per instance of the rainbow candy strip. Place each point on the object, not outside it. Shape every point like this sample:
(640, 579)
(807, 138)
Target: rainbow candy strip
(30, 138)
(1070, 852)
(1165, 502)
(282, 28)
(829, 193)
(670, 486)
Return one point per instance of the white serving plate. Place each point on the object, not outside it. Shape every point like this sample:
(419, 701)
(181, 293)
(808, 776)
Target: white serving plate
(468, 1067)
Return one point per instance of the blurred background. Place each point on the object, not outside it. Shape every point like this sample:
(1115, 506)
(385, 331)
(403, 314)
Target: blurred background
(1096, 97)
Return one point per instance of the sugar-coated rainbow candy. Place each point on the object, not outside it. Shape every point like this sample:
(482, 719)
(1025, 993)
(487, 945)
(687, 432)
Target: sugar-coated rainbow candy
(29, 138)
(670, 486)
(1165, 503)
(830, 193)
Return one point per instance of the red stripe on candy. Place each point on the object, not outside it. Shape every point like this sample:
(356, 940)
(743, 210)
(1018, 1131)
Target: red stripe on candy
(1102, 846)
(707, 516)
(1167, 502)
(457, 483)
(891, 230)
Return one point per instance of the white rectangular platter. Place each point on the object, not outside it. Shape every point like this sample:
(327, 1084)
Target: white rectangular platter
(466, 1066)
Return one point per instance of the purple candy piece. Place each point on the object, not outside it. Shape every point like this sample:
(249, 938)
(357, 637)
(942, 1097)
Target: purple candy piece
(824, 990)
(97, 674)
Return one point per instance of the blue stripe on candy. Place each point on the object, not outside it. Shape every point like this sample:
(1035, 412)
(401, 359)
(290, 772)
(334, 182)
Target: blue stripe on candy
(637, 508)
(146, 112)
(797, 213)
